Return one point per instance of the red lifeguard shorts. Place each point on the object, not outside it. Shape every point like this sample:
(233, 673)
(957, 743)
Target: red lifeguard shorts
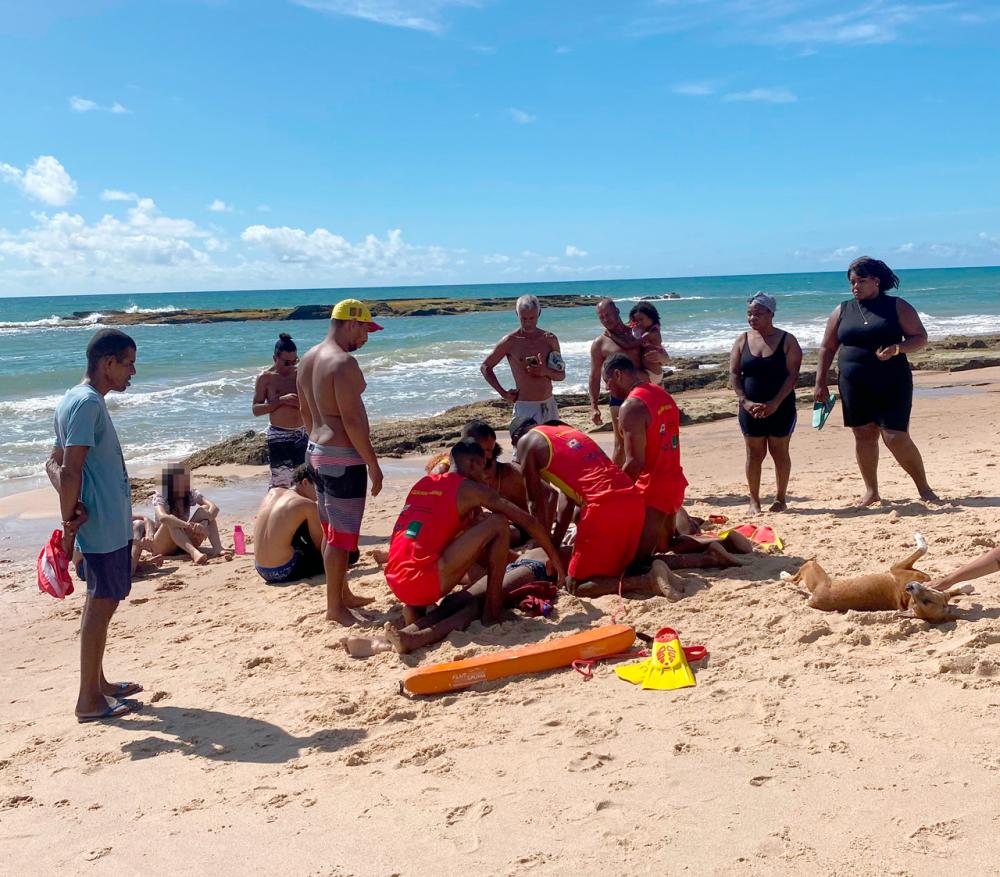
(607, 534)
(414, 582)
(664, 493)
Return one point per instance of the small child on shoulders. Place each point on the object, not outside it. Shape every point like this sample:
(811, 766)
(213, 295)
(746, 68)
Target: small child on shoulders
(645, 324)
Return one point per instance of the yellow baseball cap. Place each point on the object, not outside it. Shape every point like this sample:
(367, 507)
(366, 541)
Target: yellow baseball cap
(352, 309)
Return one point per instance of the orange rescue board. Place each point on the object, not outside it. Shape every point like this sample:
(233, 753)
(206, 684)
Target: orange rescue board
(598, 642)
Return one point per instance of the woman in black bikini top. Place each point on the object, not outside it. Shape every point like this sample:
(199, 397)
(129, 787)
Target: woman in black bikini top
(873, 332)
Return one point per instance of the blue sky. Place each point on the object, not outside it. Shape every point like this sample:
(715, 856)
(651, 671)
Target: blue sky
(286, 143)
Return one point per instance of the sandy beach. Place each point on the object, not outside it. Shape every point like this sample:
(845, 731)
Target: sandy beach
(813, 743)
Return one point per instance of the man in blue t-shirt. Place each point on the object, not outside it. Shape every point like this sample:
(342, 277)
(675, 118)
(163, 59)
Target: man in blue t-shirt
(88, 470)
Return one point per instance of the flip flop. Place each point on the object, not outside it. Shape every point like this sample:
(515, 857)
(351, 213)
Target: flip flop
(116, 710)
(124, 689)
(821, 411)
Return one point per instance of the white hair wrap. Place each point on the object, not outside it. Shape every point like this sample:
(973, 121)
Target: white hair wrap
(764, 300)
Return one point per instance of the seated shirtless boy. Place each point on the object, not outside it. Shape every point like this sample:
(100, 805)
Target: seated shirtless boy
(287, 533)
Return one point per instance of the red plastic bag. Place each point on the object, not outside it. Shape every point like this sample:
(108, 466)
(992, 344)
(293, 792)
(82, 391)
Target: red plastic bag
(53, 568)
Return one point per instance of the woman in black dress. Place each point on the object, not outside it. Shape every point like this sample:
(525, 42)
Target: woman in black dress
(873, 332)
(763, 370)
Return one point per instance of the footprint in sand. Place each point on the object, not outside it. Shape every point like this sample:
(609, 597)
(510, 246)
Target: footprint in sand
(94, 855)
(588, 761)
(463, 818)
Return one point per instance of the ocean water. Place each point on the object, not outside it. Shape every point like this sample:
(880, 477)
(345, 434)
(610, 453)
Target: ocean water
(194, 382)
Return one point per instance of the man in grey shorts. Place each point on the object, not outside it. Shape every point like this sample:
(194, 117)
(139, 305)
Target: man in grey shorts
(535, 362)
(88, 470)
(330, 384)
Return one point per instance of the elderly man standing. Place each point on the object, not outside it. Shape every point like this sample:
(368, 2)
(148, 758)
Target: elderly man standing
(535, 362)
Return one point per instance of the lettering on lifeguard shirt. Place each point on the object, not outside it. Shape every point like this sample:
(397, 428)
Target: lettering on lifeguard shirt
(593, 455)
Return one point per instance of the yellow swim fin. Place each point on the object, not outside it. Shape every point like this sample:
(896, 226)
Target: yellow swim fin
(635, 673)
(667, 666)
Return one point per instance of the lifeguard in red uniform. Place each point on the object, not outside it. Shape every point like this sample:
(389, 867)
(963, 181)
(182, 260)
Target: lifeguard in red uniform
(612, 512)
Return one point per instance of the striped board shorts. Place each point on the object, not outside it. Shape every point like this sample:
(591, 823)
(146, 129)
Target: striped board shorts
(341, 487)
(286, 450)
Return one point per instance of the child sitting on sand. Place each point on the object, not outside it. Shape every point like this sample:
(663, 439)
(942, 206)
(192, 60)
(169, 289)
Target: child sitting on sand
(645, 323)
(184, 518)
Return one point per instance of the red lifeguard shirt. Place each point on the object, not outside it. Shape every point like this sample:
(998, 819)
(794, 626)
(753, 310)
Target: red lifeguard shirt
(662, 476)
(578, 467)
(428, 522)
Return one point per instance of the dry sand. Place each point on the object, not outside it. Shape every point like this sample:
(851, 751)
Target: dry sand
(814, 743)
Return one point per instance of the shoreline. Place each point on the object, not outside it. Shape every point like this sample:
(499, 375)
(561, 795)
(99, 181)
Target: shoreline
(700, 387)
(239, 479)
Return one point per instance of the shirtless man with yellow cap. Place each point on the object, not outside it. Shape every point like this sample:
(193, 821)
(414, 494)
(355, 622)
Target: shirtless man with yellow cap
(330, 384)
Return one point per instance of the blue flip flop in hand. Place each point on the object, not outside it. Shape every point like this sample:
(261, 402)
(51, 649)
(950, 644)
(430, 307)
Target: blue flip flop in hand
(821, 411)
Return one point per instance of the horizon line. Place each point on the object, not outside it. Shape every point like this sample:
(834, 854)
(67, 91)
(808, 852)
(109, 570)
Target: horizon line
(8, 296)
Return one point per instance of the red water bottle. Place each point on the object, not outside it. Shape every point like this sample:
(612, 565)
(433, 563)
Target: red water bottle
(239, 540)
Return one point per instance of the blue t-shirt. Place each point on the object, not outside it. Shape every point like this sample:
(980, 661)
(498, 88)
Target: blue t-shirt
(82, 419)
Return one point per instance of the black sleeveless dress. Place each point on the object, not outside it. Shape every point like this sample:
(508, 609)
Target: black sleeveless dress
(762, 378)
(873, 391)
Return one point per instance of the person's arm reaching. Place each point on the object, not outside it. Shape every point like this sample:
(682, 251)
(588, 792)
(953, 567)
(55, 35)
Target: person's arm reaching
(490, 499)
(355, 419)
(537, 505)
(828, 347)
(498, 354)
(982, 566)
(633, 420)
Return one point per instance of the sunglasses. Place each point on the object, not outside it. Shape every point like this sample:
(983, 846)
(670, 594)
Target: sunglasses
(289, 362)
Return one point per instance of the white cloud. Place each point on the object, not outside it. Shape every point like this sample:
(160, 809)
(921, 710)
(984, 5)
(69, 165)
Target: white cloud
(85, 105)
(905, 248)
(373, 256)
(521, 117)
(802, 22)
(219, 206)
(118, 195)
(263, 208)
(422, 15)
(693, 89)
(45, 179)
(840, 254)
(765, 95)
(993, 239)
(495, 259)
(66, 247)
(82, 105)
(575, 252)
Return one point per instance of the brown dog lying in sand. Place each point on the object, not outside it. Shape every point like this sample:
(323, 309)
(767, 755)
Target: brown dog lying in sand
(900, 588)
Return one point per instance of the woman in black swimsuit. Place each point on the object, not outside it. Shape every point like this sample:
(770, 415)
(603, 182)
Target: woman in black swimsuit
(873, 332)
(763, 370)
